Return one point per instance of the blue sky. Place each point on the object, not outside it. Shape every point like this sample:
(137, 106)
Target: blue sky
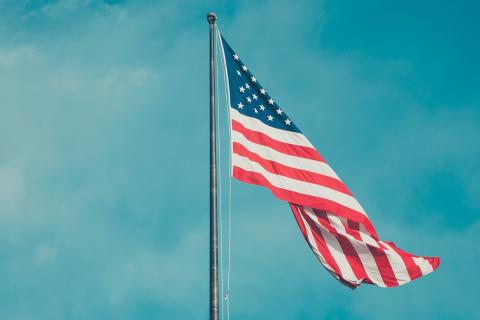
(104, 155)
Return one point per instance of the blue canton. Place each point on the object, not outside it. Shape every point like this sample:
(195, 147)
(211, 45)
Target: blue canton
(249, 98)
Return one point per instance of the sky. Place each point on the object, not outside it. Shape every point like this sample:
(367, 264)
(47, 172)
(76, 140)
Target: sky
(104, 155)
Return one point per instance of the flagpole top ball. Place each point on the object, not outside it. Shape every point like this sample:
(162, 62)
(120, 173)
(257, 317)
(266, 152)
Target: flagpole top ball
(211, 17)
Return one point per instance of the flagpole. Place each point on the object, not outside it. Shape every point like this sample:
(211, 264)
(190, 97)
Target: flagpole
(212, 18)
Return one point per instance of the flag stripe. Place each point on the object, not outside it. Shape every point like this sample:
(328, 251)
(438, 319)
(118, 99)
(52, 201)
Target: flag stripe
(297, 174)
(308, 235)
(384, 266)
(288, 160)
(363, 253)
(347, 241)
(316, 240)
(423, 264)
(413, 270)
(284, 147)
(303, 187)
(337, 247)
(398, 265)
(360, 258)
(299, 198)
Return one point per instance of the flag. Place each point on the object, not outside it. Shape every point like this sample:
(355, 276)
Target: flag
(269, 150)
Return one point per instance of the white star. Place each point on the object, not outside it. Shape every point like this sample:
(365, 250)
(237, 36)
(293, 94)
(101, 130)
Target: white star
(270, 101)
(249, 100)
(235, 56)
(247, 86)
(262, 107)
(253, 79)
(287, 122)
(239, 73)
(270, 118)
(244, 68)
(240, 105)
(255, 96)
(279, 111)
(242, 89)
(262, 91)
(255, 109)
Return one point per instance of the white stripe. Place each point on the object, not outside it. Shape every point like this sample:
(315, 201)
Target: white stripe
(423, 264)
(298, 186)
(313, 245)
(398, 266)
(285, 159)
(362, 250)
(274, 133)
(335, 249)
(366, 236)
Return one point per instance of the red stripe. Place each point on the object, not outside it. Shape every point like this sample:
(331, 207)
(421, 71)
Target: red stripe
(379, 255)
(321, 244)
(287, 148)
(297, 174)
(353, 225)
(414, 270)
(305, 200)
(351, 228)
(434, 262)
(296, 213)
(347, 247)
(384, 267)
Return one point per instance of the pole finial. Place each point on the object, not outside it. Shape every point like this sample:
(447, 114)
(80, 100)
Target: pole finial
(212, 18)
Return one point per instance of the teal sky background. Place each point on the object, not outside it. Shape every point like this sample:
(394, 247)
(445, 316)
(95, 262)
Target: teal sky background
(104, 155)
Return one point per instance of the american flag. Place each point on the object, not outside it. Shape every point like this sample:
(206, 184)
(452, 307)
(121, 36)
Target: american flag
(269, 150)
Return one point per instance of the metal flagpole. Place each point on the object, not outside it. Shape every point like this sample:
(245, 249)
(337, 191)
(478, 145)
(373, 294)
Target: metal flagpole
(212, 18)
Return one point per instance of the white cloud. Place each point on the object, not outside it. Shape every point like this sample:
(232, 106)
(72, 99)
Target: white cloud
(11, 57)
